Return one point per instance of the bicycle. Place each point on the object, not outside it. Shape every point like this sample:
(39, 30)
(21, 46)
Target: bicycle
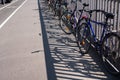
(66, 18)
(69, 21)
(108, 46)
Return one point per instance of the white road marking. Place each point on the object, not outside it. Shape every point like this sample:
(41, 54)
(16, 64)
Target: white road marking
(8, 5)
(1, 25)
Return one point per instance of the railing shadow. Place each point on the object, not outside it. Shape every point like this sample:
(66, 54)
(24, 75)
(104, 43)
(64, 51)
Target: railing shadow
(67, 63)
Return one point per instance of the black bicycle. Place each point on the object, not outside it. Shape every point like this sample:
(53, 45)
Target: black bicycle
(69, 21)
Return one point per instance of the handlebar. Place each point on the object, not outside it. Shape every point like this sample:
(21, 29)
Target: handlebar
(85, 4)
(107, 14)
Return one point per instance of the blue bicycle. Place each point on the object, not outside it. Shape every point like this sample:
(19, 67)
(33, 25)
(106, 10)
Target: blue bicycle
(108, 45)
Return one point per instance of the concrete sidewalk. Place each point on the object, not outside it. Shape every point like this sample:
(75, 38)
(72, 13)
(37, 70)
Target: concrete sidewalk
(22, 46)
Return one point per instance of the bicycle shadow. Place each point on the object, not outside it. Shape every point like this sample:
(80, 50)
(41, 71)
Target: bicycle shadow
(67, 62)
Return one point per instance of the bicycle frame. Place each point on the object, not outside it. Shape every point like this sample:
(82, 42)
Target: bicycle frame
(80, 18)
(97, 41)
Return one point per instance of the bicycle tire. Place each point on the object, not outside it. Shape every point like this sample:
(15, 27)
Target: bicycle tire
(111, 53)
(65, 24)
(83, 38)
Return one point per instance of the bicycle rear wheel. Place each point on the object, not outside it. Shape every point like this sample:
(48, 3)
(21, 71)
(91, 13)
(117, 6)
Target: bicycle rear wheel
(111, 53)
(83, 38)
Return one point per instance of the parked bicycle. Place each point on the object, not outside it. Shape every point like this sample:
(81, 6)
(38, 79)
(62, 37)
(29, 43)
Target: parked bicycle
(108, 46)
(69, 21)
(67, 18)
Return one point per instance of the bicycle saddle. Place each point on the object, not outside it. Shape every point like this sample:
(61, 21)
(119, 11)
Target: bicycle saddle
(109, 15)
(85, 4)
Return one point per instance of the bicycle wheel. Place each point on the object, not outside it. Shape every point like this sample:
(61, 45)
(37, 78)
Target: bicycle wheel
(83, 38)
(65, 24)
(111, 53)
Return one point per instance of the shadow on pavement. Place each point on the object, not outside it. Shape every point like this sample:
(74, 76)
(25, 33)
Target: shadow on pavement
(48, 58)
(63, 60)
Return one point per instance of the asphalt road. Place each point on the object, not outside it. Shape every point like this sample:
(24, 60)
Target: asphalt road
(7, 10)
(21, 46)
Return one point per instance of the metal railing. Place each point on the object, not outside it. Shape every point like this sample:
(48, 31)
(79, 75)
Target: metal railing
(112, 6)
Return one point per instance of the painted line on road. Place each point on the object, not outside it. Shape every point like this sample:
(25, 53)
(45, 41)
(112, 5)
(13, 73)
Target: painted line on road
(1, 25)
(8, 5)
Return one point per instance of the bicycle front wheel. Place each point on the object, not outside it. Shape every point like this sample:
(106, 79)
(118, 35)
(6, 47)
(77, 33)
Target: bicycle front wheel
(65, 24)
(83, 38)
(111, 53)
